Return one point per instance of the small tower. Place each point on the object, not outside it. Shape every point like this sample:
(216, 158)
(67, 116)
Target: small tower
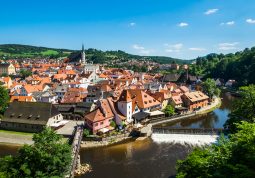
(125, 105)
(83, 55)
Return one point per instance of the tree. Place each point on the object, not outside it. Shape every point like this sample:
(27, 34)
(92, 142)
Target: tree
(210, 88)
(233, 157)
(4, 99)
(49, 156)
(113, 124)
(169, 110)
(86, 132)
(25, 73)
(244, 109)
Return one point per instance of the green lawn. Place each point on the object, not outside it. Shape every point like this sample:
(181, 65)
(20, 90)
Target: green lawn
(14, 132)
(49, 52)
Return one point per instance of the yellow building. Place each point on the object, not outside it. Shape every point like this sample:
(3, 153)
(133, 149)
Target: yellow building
(6, 68)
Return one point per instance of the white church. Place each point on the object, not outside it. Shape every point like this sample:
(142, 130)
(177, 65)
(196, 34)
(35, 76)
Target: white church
(88, 67)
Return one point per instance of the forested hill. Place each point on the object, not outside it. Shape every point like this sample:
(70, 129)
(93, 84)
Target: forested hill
(12, 51)
(239, 66)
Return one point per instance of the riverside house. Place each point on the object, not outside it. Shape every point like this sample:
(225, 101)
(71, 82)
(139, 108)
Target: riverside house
(100, 119)
(195, 100)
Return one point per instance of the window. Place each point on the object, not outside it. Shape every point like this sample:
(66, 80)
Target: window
(101, 123)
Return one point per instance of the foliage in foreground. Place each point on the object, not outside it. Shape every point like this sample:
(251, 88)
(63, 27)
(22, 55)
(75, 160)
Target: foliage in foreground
(244, 109)
(49, 156)
(233, 157)
(4, 99)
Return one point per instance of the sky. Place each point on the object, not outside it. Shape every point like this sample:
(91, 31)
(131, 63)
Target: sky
(182, 29)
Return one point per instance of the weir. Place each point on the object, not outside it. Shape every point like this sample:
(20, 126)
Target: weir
(189, 136)
(193, 131)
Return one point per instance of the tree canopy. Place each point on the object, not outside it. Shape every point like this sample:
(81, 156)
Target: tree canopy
(4, 99)
(25, 73)
(244, 109)
(239, 66)
(169, 110)
(233, 157)
(210, 88)
(49, 156)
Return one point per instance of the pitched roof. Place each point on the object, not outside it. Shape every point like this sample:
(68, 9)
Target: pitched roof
(195, 96)
(30, 112)
(95, 116)
(142, 99)
(22, 98)
(177, 99)
(125, 96)
(171, 77)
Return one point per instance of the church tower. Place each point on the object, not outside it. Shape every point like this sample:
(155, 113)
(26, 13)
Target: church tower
(83, 55)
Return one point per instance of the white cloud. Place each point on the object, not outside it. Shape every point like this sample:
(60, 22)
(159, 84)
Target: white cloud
(230, 23)
(132, 24)
(183, 24)
(211, 11)
(145, 52)
(173, 48)
(197, 49)
(228, 46)
(250, 21)
(137, 47)
(142, 50)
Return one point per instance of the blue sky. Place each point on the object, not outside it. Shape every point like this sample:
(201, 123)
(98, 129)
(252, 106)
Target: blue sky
(177, 28)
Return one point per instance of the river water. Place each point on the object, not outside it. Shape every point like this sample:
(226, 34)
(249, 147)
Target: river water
(147, 158)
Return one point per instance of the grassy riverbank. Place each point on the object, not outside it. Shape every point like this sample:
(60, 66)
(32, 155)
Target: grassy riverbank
(15, 133)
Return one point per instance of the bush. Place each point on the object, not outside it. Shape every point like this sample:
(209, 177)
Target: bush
(86, 132)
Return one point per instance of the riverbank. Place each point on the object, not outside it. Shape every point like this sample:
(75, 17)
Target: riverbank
(95, 144)
(214, 105)
(147, 130)
(15, 138)
(21, 138)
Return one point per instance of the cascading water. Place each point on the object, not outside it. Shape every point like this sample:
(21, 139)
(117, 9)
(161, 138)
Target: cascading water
(185, 139)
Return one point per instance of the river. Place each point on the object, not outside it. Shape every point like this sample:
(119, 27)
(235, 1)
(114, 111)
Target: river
(145, 159)
(148, 159)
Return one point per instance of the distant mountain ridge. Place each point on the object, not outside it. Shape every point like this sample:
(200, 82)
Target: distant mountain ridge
(13, 51)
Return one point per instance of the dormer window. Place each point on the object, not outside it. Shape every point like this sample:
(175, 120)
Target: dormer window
(29, 116)
(20, 115)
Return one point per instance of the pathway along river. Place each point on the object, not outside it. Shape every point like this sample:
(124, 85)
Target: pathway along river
(145, 159)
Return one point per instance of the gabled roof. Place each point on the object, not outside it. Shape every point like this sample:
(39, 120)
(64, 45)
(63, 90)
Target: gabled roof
(22, 98)
(95, 116)
(125, 96)
(195, 96)
(30, 112)
(142, 99)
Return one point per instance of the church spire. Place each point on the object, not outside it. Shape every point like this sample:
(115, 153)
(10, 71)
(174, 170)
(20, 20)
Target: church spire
(83, 55)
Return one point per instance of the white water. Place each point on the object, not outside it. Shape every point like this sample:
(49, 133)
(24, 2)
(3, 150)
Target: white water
(184, 139)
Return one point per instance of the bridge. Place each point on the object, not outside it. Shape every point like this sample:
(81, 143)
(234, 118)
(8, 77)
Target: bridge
(190, 131)
(76, 144)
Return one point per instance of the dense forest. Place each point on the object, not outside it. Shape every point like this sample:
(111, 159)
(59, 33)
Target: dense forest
(239, 66)
(15, 51)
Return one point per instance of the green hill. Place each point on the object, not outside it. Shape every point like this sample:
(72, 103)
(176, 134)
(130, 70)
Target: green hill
(10, 51)
(17, 51)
